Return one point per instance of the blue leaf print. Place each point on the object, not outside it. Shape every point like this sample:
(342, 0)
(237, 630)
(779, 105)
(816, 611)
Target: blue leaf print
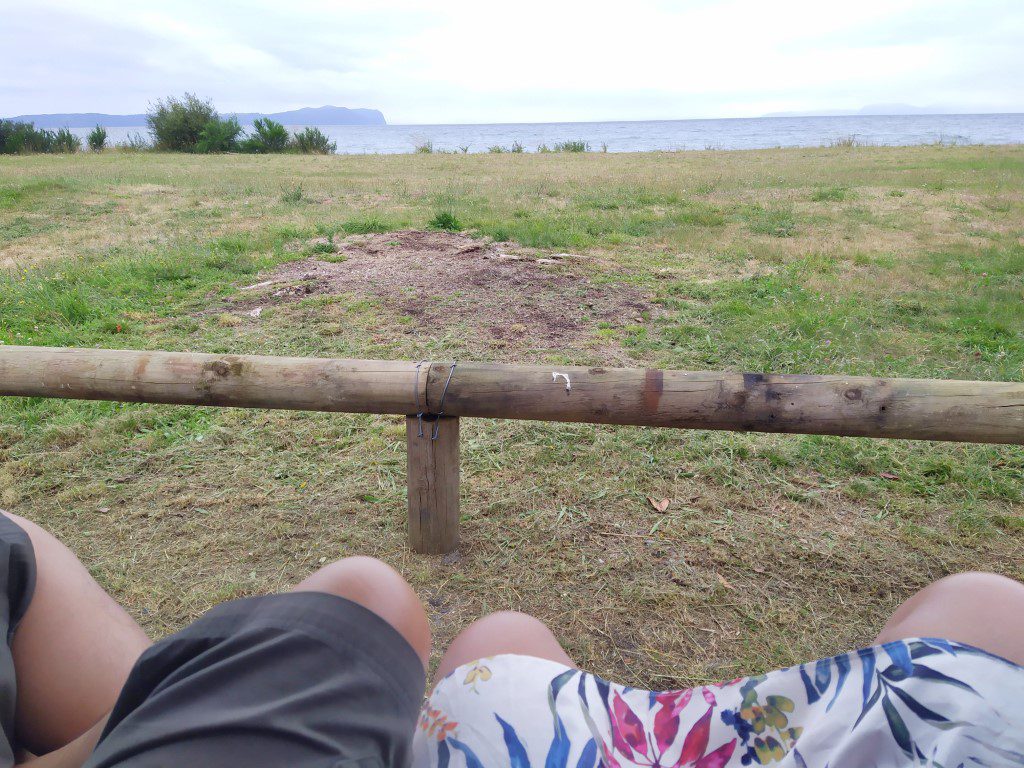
(867, 658)
(843, 667)
(868, 705)
(603, 690)
(927, 673)
(558, 752)
(472, 761)
(823, 674)
(942, 645)
(899, 729)
(558, 682)
(588, 758)
(812, 694)
(517, 756)
(900, 657)
(918, 708)
(443, 755)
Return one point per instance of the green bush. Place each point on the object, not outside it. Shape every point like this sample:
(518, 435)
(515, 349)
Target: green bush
(574, 145)
(65, 141)
(219, 135)
(97, 138)
(21, 138)
(14, 137)
(517, 148)
(267, 136)
(426, 148)
(313, 141)
(177, 124)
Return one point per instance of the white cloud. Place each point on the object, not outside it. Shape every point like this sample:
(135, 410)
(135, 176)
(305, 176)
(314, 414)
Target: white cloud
(466, 61)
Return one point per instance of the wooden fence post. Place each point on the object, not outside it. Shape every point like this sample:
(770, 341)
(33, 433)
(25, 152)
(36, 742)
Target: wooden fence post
(433, 483)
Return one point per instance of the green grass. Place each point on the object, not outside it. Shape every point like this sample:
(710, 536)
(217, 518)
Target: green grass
(875, 261)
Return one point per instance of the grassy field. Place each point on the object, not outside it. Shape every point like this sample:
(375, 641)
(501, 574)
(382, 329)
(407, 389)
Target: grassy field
(774, 549)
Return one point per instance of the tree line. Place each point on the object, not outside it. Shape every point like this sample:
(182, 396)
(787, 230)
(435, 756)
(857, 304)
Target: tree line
(186, 124)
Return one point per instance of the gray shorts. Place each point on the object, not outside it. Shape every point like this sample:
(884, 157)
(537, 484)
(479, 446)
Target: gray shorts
(299, 679)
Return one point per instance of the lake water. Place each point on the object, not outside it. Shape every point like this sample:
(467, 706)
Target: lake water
(672, 135)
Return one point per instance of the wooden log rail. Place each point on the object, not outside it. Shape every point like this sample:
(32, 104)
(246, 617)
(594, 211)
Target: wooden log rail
(919, 409)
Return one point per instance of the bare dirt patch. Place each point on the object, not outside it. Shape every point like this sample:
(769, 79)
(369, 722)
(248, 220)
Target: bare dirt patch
(442, 279)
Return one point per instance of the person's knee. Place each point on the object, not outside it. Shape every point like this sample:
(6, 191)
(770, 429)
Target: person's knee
(379, 588)
(503, 622)
(964, 589)
(955, 604)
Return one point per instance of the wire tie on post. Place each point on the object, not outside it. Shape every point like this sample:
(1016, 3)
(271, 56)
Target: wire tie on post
(416, 397)
(440, 405)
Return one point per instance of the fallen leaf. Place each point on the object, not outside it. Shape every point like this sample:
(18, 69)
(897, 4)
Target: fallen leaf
(660, 506)
(724, 582)
(888, 476)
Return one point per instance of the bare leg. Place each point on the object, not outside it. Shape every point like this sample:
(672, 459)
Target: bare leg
(72, 651)
(979, 609)
(379, 588)
(504, 632)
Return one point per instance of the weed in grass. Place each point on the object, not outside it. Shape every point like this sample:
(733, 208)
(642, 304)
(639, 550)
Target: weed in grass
(445, 220)
(321, 247)
(424, 148)
(777, 222)
(294, 195)
(895, 193)
(831, 194)
(846, 142)
(367, 226)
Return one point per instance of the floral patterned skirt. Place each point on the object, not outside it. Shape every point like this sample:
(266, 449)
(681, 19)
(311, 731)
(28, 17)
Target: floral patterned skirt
(913, 702)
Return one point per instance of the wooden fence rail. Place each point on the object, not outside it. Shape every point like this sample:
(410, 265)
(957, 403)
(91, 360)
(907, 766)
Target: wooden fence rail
(921, 409)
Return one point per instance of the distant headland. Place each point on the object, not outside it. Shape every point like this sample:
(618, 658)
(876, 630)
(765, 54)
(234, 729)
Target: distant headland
(326, 115)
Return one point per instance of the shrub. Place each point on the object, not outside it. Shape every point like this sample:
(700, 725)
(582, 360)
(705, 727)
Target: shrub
(425, 148)
(543, 149)
(219, 136)
(65, 141)
(846, 142)
(97, 138)
(445, 220)
(134, 142)
(313, 141)
(16, 137)
(517, 148)
(497, 149)
(267, 136)
(575, 145)
(177, 124)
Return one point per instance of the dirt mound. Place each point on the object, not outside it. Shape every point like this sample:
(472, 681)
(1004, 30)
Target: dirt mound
(441, 279)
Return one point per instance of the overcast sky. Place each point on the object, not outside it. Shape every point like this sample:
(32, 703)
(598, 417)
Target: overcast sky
(464, 61)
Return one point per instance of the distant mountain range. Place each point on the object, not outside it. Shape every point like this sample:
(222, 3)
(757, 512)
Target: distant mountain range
(326, 115)
(870, 109)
